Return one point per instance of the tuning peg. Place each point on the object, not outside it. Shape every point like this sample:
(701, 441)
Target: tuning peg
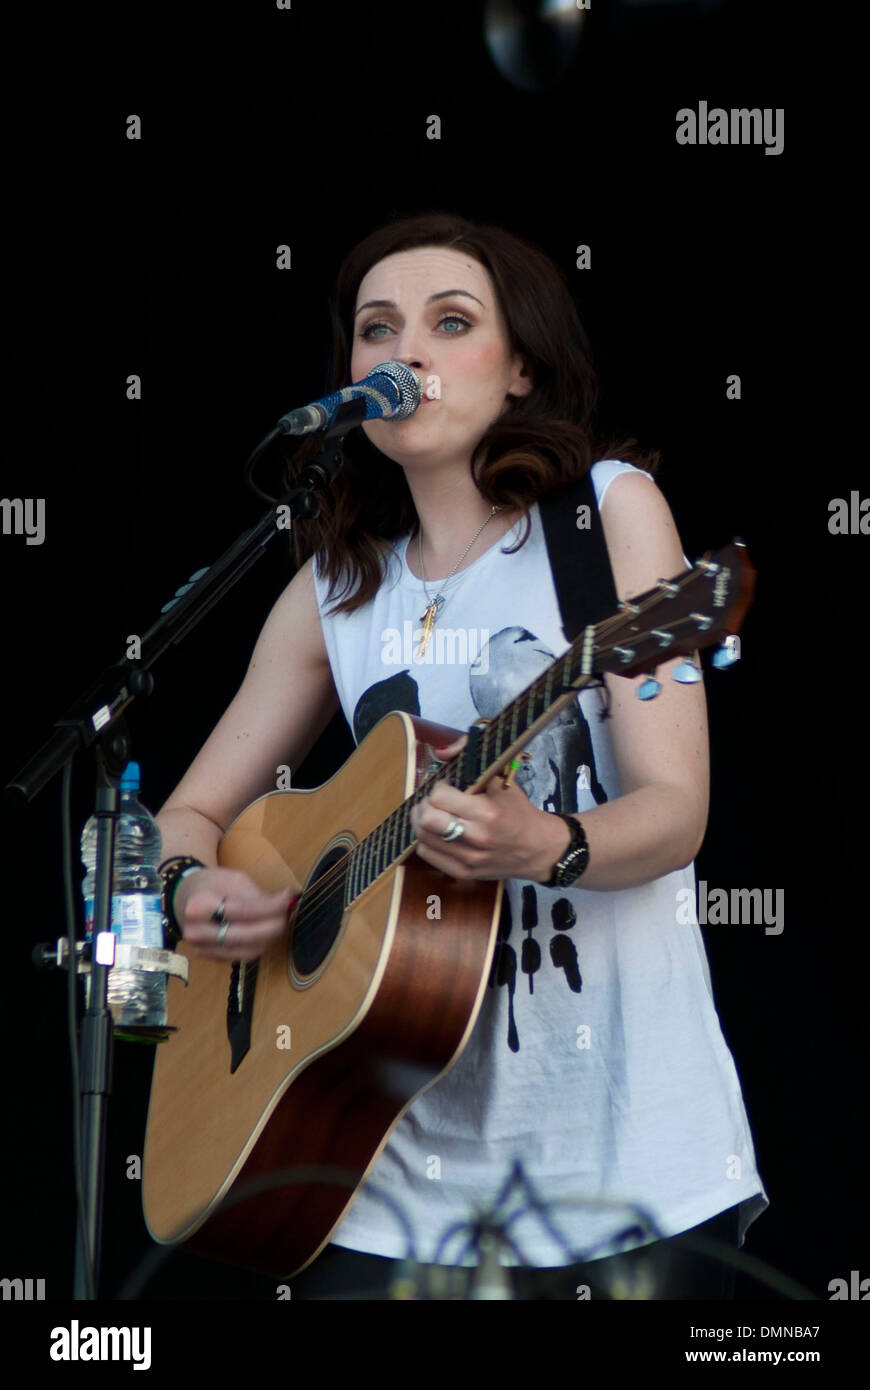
(686, 673)
(727, 653)
(648, 690)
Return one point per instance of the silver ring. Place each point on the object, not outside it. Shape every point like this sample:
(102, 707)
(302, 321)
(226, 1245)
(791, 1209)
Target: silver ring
(455, 829)
(220, 916)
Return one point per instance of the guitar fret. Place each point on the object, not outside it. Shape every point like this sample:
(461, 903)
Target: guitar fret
(505, 736)
(496, 729)
(538, 704)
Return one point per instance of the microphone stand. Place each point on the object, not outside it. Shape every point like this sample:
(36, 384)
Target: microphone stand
(97, 718)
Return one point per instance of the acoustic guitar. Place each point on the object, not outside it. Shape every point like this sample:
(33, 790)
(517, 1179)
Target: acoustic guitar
(307, 1058)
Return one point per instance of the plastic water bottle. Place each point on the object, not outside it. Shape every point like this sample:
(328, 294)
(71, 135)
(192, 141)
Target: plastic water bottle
(136, 998)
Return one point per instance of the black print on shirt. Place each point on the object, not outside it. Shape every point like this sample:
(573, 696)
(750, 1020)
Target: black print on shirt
(506, 665)
(563, 952)
(396, 692)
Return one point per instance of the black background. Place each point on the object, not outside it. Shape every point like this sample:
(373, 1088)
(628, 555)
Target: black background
(157, 257)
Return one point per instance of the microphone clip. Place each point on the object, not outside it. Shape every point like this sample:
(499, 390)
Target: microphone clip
(326, 466)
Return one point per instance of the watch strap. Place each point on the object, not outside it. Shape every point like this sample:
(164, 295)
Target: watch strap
(575, 859)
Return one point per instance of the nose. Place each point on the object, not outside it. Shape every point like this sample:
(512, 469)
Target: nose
(411, 349)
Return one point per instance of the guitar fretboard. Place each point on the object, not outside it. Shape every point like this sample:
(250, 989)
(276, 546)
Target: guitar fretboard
(489, 747)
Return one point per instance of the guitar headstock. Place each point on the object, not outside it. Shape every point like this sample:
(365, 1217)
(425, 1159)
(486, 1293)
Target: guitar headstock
(694, 609)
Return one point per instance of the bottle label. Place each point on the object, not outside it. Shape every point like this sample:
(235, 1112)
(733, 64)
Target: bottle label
(137, 919)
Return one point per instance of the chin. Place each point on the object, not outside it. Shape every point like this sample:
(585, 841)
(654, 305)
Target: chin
(404, 440)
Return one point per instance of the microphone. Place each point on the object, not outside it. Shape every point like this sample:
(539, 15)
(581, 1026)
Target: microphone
(391, 391)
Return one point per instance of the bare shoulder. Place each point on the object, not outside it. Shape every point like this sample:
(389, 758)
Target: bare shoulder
(642, 537)
(295, 618)
(662, 740)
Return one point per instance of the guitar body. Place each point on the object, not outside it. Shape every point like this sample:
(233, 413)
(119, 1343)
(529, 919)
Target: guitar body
(343, 1026)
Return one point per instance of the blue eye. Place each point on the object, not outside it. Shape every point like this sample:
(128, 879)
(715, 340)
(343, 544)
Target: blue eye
(368, 331)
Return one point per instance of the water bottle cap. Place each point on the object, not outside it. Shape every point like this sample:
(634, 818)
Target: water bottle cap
(131, 778)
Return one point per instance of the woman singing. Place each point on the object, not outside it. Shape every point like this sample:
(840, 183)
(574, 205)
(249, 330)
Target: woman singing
(597, 1058)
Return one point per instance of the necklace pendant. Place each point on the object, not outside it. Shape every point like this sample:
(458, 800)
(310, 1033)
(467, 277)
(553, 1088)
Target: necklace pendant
(428, 621)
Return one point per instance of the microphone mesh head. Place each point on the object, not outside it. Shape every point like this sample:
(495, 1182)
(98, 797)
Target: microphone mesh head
(407, 386)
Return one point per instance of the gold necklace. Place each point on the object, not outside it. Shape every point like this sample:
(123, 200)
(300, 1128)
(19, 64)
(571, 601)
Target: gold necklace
(436, 604)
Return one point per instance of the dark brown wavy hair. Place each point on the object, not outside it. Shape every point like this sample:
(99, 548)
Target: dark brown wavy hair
(542, 443)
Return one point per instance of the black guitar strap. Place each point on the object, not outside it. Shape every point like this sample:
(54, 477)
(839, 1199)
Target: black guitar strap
(578, 558)
(581, 573)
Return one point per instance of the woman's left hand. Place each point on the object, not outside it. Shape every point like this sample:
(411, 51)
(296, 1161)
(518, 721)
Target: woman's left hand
(505, 835)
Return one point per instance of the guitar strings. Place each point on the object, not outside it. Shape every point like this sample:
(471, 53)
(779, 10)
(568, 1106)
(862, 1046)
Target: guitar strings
(324, 888)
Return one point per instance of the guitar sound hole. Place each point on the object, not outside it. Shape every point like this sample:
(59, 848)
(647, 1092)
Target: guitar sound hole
(318, 917)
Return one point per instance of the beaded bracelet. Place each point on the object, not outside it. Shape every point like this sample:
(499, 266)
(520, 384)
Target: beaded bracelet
(172, 871)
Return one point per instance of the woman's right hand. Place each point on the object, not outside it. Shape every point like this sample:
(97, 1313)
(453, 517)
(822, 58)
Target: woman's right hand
(256, 920)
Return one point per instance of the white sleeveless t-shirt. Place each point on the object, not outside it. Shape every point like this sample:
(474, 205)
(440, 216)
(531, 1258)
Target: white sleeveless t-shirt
(597, 1058)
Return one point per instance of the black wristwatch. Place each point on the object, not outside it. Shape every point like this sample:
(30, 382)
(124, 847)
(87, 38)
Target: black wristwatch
(574, 860)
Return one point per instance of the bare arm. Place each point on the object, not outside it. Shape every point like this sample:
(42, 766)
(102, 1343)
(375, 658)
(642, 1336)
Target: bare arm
(661, 746)
(285, 701)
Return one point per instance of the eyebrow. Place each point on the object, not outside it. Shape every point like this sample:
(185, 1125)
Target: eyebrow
(443, 294)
